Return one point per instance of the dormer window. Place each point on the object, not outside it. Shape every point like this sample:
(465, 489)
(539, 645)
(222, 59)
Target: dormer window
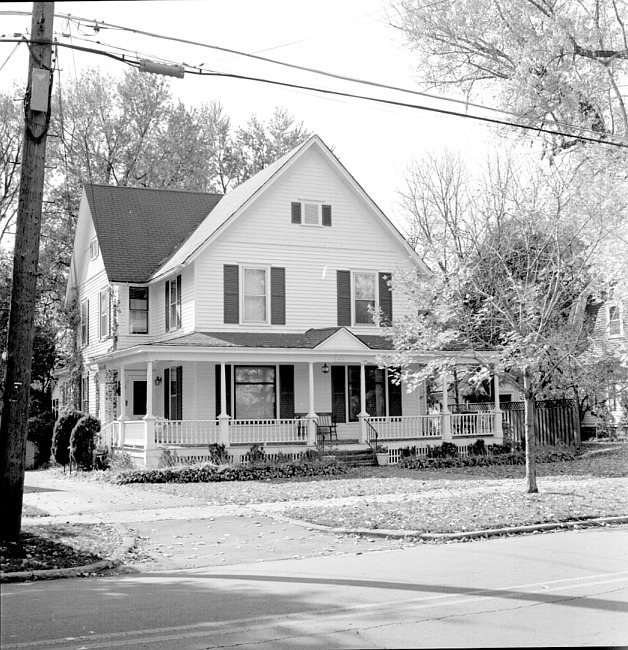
(94, 249)
(311, 213)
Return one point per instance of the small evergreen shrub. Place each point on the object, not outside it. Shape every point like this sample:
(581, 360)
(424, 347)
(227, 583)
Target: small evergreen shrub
(61, 436)
(446, 450)
(478, 448)
(218, 454)
(83, 442)
(40, 429)
(256, 453)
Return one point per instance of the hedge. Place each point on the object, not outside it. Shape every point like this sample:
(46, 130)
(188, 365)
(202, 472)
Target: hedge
(207, 473)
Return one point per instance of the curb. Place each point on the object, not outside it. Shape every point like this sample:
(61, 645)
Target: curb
(491, 532)
(73, 572)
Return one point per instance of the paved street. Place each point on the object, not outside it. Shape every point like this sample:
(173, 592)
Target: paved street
(206, 586)
(566, 588)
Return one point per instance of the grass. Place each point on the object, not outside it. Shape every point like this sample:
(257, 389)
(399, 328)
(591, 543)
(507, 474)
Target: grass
(434, 501)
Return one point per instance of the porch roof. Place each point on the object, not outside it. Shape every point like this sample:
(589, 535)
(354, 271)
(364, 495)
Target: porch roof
(309, 340)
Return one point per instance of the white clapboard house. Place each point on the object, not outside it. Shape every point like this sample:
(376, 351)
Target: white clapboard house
(244, 319)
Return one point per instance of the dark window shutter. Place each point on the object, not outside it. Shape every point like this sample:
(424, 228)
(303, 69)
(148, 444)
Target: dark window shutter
(278, 296)
(338, 407)
(178, 324)
(231, 294)
(167, 393)
(327, 215)
(167, 305)
(179, 393)
(343, 285)
(385, 298)
(296, 212)
(394, 399)
(228, 380)
(286, 392)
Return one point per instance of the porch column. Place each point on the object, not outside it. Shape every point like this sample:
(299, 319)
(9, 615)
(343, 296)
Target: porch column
(498, 431)
(122, 417)
(447, 437)
(149, 418)
(363, 415)
(223, 418)
(311, 416)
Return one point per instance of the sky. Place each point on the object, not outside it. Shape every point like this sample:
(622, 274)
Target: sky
(352, 38)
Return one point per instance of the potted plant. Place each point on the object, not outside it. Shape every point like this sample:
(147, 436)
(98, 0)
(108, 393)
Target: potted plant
(381, 453)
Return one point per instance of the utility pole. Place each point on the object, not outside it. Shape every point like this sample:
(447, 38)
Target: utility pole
(14, 423)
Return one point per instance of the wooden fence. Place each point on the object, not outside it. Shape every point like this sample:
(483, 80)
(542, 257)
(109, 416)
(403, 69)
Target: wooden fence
(556, 421)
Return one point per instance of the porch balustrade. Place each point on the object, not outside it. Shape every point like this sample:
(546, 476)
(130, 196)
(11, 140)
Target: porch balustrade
(135, 433)
(407, 427)
(186, 432)
(286, 431)
(472, 424)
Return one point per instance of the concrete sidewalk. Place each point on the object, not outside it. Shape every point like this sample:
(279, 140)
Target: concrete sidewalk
(172, 532)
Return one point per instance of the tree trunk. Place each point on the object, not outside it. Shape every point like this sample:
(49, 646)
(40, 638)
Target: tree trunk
(14, 423)
(528, 396)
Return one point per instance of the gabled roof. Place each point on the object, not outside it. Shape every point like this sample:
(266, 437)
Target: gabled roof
(309, 340)
(138, 228)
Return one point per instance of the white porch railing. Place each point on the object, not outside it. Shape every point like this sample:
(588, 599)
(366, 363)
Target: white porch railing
(110, 434)
(472, 424)
(135, 433)
(268, 431)
(186, 432)
(407, 427)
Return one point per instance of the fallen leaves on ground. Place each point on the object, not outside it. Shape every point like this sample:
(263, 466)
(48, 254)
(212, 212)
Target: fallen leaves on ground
(58, 547)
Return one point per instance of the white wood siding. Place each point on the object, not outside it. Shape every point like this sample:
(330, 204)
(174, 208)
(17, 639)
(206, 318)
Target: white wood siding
(265, 236)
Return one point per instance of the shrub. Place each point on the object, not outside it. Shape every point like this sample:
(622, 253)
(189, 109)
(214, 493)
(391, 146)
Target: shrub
(208, 473)
(478, 448)
(256, 453)
(218, 454)
(168, 458)
(40, 428)
(446, 450)
(83, 442)
(61, 436)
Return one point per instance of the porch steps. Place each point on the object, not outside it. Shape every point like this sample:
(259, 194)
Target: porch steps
(356, 457)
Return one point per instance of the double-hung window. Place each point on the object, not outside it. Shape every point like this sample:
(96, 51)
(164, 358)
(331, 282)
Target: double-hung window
(364, 297)
(614, 322)
(173, 304)
(138, 310)
(94, 249)
(85, 322)
(103, 313)
(254, 295)
(255, 392)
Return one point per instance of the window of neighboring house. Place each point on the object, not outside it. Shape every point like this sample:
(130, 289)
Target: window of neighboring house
(311, 213)
(94, 249)
(85, 394)
(85, 322)
(254, 392)
(138, 310)
(254, 295)
(173, 304)
(364, 297)
(615, 325)
(104, 313)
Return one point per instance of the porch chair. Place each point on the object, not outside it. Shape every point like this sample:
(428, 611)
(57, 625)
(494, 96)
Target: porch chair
(326, 426)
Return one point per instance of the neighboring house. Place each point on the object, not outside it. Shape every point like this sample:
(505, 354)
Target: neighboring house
(240, 319)
(609, 411)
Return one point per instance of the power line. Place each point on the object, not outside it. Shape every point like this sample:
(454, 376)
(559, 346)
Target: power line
(200, 72)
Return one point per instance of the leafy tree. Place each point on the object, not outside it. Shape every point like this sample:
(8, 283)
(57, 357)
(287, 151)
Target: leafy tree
(510, 281)
(559, 62)
(11, 135)
(61, 436)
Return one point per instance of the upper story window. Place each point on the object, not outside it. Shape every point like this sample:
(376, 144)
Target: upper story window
(615, 325)
(311, 213)
(104, 313)
(254, 295)
(360, 291)
(138, 310)
(94, 249)
(364, 298)
(173, 304)
(84, 326)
